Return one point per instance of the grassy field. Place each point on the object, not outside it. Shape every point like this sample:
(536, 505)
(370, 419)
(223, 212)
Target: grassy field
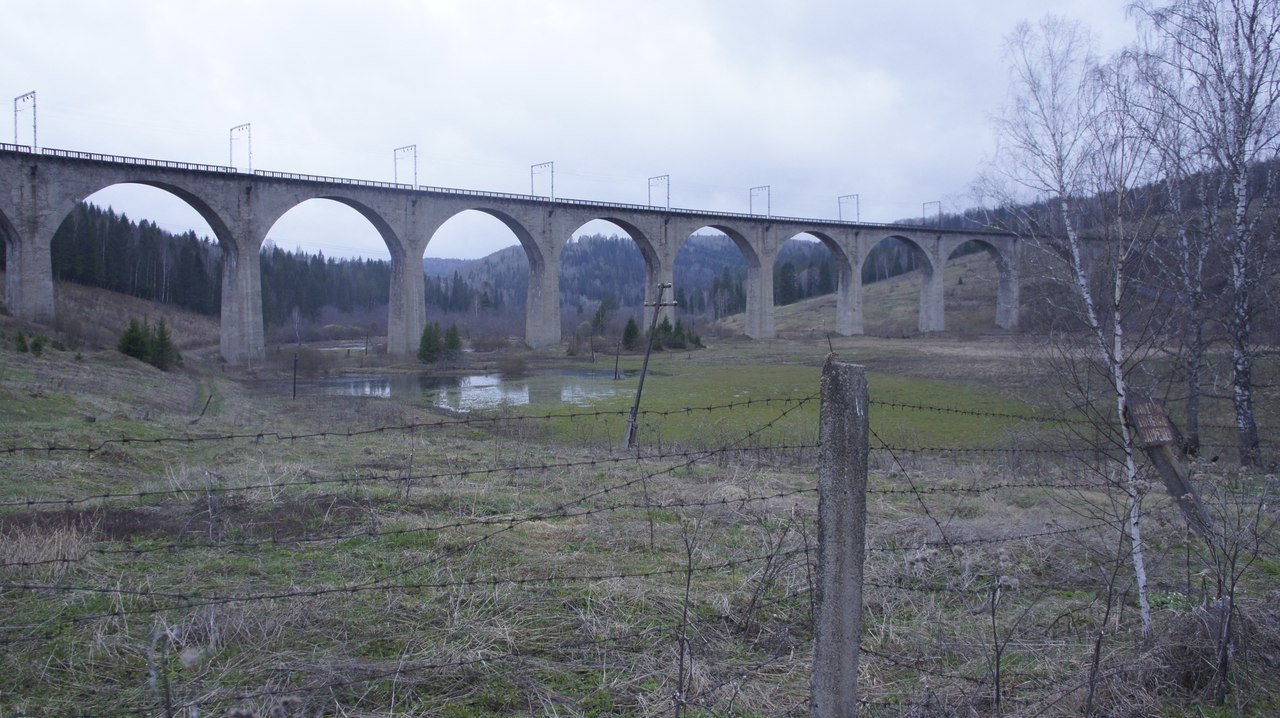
(193, 547)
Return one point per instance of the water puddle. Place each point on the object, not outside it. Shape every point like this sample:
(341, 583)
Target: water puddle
(577, 387)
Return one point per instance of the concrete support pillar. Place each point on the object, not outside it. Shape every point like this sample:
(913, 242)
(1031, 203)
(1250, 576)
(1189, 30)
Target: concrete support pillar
(849, 301)
(1007, 298)
(544, 233)
(542, 312)
(407, 306)
(27, 228)
(759, 324)
(932, 317)
(664, 273)
(28, 289)
(242, 338)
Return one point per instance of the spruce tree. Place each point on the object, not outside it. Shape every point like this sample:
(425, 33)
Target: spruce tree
(631, 335)
(429, 344)
(134, 341)
(452, 343)
(160, 350)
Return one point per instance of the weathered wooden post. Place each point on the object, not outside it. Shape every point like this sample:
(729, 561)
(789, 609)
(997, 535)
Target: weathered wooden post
(842, 515)
(1160, 439)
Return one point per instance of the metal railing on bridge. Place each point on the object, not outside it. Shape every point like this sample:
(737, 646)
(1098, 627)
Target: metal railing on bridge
(140, 161)
(298, 177)
(333, 180)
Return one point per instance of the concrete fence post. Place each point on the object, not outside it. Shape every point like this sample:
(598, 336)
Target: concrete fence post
(842, 513)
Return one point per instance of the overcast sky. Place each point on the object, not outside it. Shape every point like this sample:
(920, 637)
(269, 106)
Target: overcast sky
(887, 99)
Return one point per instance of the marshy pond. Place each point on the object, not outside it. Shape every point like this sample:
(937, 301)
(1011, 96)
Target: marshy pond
(577, 387)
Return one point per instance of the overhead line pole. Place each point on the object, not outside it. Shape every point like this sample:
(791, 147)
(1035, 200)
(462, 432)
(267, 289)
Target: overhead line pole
(857, 209)
(664, 179)
(248, 133)
(395, 156)
(924, 211)
(16, 109)
(534, 169)
(768, 200)
(630, 438)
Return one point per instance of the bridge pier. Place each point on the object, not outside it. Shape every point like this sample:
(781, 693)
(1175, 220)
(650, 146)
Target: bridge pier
(546, 231)
(932, 286)
(28, 288)
(406, 306)
(849, 301)
(27, 227)
(759, 323)
(1007, 298)
(242, 337)
(542, 313)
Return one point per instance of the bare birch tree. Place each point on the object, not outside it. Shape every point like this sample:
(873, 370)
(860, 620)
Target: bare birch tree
(1181, 266)
(1213, 65)
(1066, 136)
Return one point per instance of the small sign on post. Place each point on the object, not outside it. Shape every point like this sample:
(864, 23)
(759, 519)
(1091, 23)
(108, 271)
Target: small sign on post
(1152, 423)
(1160, 439)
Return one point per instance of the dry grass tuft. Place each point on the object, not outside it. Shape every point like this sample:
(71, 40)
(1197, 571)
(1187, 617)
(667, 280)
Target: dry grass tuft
(45, 554)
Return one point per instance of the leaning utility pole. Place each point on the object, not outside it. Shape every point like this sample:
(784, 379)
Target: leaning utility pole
(630, 438)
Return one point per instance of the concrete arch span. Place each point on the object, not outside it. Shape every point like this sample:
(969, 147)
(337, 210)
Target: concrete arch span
(650, 241)
(848, 289)
(30, 292)
(543, 232)
(931, 252)
(405, 318)
(927, 263)
(542, 312)
(1003, 254)
(750, 241)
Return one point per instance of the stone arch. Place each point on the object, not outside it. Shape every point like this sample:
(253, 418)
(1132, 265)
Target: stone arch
(542, 305)
(758, 284)
(391, 236)
(524, 236)
(67, 202)
(275, 210)
(844, 286)
(1006, 309)
(655, 270)
(644, 242)
(240, 330)
(929, 312)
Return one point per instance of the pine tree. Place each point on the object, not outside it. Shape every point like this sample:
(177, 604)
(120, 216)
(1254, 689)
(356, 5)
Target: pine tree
(133, 342)
(429, 344)
(452, 343)
(160, 350)
(631, 335)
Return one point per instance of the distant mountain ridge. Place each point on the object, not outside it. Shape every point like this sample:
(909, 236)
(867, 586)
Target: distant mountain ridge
(439, 267)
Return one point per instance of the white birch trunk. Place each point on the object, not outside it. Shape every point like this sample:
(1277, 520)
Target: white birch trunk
(1112, 353)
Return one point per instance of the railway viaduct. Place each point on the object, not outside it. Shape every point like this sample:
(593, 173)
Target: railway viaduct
(38, 189)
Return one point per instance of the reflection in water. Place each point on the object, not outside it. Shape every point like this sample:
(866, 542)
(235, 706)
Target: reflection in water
(480, 391)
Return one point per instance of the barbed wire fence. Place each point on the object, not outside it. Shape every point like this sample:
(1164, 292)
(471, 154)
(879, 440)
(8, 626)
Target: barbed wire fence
(676, 580)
